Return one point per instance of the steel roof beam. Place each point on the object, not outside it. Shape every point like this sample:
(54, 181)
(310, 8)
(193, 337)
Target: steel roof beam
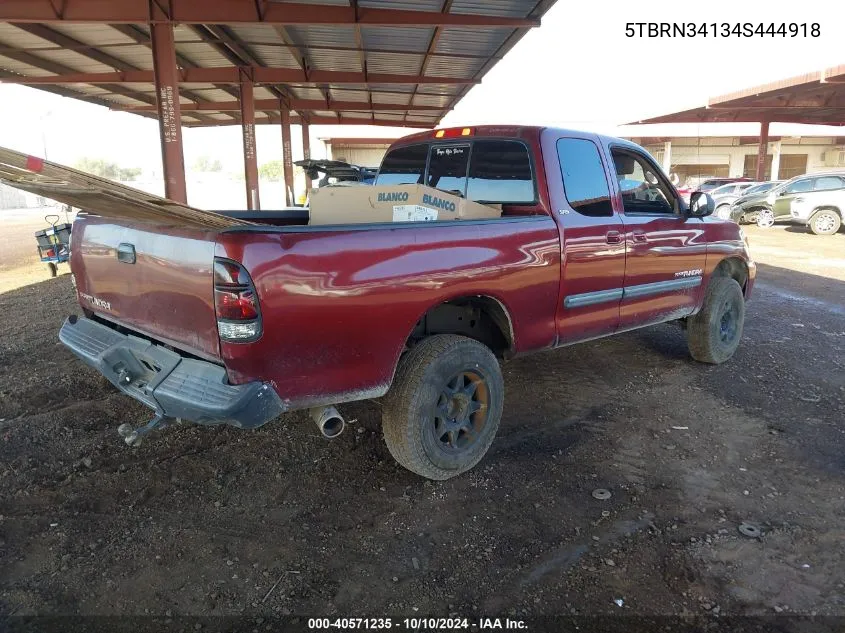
(143, 39)
(260, 75)
(65, 41)
(298, 47)
(239, 12)
(274, 120)
(295, 104)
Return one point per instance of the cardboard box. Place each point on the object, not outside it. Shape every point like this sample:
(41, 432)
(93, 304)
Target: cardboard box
(398, 203)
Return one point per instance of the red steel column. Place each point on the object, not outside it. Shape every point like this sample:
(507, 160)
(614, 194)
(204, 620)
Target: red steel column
(306, 153)
(287, 156)
(762, 150)
(169, 118)
(250, 158)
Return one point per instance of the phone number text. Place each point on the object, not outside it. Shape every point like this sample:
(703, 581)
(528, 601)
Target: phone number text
(722, 29)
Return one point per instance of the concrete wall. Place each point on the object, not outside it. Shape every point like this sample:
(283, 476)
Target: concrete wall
(730, 152)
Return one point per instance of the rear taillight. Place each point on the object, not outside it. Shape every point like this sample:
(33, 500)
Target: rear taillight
(235, 302)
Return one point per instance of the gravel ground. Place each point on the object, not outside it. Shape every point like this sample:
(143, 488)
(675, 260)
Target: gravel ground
(280, 521)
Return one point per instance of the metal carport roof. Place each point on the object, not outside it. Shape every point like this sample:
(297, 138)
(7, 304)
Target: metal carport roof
(381, 62)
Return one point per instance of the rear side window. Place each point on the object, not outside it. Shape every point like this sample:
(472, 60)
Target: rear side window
(404, 166)
(584, 181)
(447, 169)
(500, 172)
(826, 183)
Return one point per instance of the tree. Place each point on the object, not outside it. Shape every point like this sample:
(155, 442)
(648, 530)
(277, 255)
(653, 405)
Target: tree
(107, 169)
(206, 164)
(271, 171)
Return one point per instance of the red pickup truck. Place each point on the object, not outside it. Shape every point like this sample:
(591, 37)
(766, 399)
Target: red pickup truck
(240, 325)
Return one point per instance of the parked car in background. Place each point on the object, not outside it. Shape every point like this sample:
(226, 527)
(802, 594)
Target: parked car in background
(775, 205)
(823, 208)
(706, 184)
(723, 195)
(725, 201)
(710, 184)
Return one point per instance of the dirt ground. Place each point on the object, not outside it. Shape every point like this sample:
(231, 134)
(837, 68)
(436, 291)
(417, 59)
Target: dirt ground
(280, 521)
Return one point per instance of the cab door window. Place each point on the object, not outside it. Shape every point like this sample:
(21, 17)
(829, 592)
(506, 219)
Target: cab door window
(642, 189)
(799, 186)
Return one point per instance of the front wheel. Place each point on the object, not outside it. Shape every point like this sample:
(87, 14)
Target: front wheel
(825, 222)
(443, 410)
(714, 333)
(765, 218)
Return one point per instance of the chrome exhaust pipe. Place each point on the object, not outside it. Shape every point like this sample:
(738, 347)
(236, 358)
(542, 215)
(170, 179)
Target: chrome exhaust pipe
(328, 420)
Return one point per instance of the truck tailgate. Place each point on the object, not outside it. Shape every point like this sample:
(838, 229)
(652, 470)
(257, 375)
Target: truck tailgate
(155, 279)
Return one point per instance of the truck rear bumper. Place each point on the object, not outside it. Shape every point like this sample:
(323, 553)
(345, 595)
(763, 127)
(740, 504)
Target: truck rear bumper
(169, 383)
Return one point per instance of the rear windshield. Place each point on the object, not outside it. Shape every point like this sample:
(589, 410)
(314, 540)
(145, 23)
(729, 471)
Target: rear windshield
(486, 170)
(403, 166)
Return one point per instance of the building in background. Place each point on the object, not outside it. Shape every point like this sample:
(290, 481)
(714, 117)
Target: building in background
(366, 152)
(693, 158)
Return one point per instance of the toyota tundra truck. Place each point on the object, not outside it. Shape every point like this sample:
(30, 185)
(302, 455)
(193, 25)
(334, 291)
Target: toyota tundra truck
(242, 324)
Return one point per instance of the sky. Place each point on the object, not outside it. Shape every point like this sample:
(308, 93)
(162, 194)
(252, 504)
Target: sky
(577, 70)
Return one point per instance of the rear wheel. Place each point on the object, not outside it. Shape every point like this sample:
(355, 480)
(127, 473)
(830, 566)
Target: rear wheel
(765, 218)
(714, 333)
(443, 410)
(825, 222)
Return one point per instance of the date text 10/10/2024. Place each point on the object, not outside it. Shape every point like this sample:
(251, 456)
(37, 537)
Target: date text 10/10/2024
(416, 624)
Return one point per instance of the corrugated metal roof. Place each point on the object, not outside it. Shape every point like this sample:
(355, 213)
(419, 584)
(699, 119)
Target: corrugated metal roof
(95, 34)
(407, 5)
(137, 55)
(397, 38)
(350, 95)
(503, 8)
(394, 63)
(203, 55)
(20, 68)
(453, 67)
(467, 41)
(391, 97)
(334, 60)
(460, 53)
(275, 56)
(75, 61)
(322, 35)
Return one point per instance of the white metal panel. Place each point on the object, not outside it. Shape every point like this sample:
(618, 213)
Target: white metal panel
(398, 38)
(472, 41)
(394, 63)
(203, 55)
(334, 60)
(138, 55)
(274, 56)
(405, 5)
(96, 34)
(74, 61)
(21, 69)
(453, 67)
(391, 97)
(503, 8)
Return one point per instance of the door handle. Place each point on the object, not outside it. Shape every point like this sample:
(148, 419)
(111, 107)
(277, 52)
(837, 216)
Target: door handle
(640, 236)
(613, 237)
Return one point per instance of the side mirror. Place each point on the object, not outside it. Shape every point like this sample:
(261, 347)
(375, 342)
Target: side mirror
(701, 204)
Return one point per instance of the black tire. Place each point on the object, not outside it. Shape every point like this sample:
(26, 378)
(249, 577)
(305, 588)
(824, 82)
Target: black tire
(714, 333)
(418, 412)
(825, 222)
(54, 269)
